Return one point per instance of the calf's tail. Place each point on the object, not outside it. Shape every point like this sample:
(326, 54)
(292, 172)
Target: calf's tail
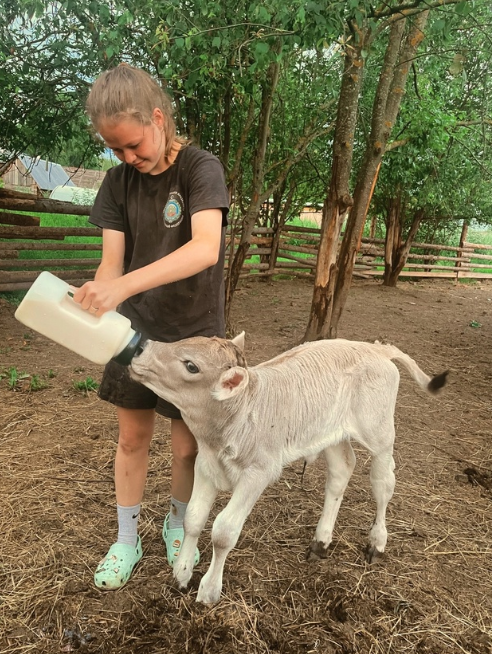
(430, 384)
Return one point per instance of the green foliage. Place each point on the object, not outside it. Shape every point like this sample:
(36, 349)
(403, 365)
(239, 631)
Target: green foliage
(86, 385)
(16, 380)
(41, 79)
(442, 164)
(36, 383)
(13, 297)
(14, 377)
(216, 59)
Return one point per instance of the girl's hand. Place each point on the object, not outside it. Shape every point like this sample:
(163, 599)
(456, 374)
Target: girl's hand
(100, 296)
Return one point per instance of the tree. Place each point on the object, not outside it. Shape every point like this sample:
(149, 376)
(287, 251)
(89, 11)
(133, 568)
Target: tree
(437, 171)
(402, 26)
(43, 76)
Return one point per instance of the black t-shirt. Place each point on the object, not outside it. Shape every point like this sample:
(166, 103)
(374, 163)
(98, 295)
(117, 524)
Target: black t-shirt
(154, 212)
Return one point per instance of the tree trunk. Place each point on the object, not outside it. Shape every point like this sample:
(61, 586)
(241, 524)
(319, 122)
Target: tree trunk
(392, 239)
(258, 180)
(374, 224)
(464, 234)
(281, 211)
(338, 200)
(405, 248)
(399, 250)
(385, 110)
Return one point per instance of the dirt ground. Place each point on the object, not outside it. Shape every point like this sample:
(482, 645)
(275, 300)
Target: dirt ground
(430, 593)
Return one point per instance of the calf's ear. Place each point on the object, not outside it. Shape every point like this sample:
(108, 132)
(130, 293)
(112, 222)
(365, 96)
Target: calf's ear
(231, 383)
(239, 341)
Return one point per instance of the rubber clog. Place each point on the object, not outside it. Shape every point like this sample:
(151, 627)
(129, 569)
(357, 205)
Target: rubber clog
(172, 539)
(116, 567)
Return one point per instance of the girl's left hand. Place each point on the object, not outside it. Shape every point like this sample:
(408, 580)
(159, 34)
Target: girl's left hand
(100, 296)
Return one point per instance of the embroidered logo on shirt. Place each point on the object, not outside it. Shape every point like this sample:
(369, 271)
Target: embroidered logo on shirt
(173, 211)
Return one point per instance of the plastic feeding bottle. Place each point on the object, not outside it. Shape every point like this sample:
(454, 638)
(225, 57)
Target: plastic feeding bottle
(49, 309)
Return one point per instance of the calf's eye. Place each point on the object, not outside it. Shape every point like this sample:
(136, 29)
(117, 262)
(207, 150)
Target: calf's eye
(191, 367)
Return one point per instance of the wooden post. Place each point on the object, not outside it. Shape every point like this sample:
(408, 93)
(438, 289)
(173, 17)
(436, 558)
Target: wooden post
(459, 254)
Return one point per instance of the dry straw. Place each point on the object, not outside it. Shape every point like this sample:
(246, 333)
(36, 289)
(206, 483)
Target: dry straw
(431, 593)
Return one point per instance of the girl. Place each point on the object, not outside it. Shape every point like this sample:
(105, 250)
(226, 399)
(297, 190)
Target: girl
(163, 213)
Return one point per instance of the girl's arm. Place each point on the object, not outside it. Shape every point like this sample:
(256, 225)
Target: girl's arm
(111, 287)
(113, 251)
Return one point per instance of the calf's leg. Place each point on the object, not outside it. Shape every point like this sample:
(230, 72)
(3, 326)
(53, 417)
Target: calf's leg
(225, 533)
(383, 485)
(340, 463)
(197, 512)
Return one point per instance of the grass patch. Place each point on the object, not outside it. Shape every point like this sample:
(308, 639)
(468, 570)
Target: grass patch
(13, 297)
(61, 220)
(17, 380)
(64, 220)
(86, 385)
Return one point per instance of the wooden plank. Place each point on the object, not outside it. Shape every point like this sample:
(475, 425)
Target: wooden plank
(436, 275)
(30, 202)
(257, 251)
(263, 230)
(283, 245)
(305, 263)
(474, 255)
(427, 258)
(255, 266)
(48, 263)
(24, 286)
(255, 240)
(301, 230)
(41, 246)
(7, 218)
(47, 232)
(477, 246)
(15, 276)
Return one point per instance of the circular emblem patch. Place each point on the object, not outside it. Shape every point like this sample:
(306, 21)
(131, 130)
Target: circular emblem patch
(173, 211)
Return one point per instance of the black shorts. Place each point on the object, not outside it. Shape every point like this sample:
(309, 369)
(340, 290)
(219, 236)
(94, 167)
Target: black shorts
(118, 388)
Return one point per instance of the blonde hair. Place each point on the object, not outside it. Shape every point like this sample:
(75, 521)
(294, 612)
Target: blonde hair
(126, 92)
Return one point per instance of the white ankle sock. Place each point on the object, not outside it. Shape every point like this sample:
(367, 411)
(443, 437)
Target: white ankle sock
(128, 524)
(177, 514)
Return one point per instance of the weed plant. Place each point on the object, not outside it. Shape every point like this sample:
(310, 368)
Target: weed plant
(86, 385)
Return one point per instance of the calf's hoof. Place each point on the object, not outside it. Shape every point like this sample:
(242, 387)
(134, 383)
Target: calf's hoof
(372, 554)
(317, 550)
(182, 575)
(208, 595)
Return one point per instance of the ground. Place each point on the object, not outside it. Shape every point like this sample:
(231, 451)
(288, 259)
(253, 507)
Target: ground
(432, 590)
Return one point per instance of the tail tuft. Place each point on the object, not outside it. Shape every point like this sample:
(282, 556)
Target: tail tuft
(437, 382)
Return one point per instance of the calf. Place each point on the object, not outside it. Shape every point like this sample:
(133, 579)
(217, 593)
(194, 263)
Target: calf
(251, 422)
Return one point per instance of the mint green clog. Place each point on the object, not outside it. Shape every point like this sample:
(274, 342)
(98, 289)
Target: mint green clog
(116, 567)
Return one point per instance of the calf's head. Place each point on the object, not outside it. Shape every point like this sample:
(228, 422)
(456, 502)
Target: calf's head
(179, 372)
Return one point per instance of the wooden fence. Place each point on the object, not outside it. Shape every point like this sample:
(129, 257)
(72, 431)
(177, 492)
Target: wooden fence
(25, 249)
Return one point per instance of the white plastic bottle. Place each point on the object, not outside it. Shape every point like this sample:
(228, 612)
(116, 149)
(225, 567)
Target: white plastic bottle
(49, 309)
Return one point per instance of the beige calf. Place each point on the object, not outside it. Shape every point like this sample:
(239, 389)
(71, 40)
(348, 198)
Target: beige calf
(251, 422)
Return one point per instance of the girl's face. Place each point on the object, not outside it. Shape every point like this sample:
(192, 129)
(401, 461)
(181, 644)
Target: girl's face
(139, 145)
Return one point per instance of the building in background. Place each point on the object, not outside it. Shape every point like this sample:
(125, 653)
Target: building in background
(39, 176)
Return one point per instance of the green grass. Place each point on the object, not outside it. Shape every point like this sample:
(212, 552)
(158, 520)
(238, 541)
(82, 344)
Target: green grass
(64, 220)
(61, 220)
(18, 380)
(86, 385)
(13, 297)
(481, 236)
